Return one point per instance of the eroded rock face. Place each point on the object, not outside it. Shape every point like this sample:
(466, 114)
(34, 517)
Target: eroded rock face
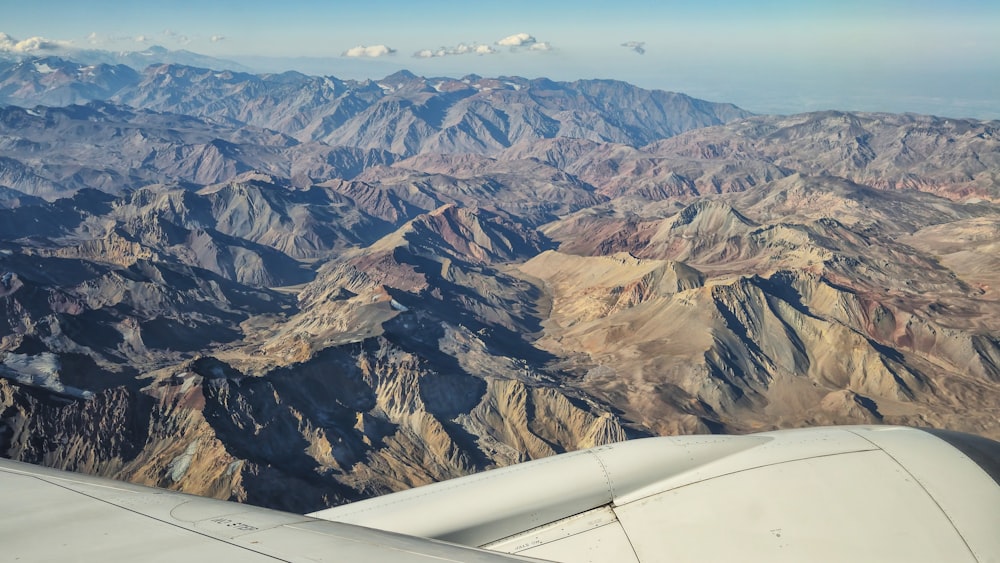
(356, 420)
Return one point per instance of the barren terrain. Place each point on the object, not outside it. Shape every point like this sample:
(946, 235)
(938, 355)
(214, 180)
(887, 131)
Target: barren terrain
(298, 291)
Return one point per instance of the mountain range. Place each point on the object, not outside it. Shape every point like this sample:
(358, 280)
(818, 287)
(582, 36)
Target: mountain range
(298, 291)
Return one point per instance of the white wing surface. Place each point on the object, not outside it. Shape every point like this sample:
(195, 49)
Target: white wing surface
(48, 515)
(875, 493)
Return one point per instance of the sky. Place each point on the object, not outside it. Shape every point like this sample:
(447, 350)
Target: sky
(769, 56)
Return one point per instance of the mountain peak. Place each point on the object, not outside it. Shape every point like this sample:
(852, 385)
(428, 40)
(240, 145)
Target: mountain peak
(156, 50)
(400, 76)
(401, 79)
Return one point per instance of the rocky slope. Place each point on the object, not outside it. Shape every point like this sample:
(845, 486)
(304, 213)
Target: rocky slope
(955, 158)
(54, 151)
(54, 81)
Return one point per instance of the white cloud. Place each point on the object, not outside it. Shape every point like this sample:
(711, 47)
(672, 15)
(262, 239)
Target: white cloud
(516, 40)
(460, 49)
(171, 35)
(217, 38)
(93, 38)
(519, 40)
(475, 49)
(369, 51)
(637, 46)
(12, 45)
(140, 39)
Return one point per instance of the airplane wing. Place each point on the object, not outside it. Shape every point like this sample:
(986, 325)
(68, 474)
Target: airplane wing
(876, 493)
(857, 493)
(49, 515)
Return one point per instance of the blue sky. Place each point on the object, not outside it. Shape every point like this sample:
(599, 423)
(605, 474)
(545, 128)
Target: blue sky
(767, 55)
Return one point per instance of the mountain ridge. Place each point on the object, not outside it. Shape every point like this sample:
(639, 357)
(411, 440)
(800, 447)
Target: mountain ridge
(403, 113)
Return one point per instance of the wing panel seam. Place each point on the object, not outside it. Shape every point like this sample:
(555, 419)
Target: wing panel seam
(923, 488)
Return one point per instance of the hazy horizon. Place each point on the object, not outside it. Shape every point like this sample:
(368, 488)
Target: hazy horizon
(777, 56)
